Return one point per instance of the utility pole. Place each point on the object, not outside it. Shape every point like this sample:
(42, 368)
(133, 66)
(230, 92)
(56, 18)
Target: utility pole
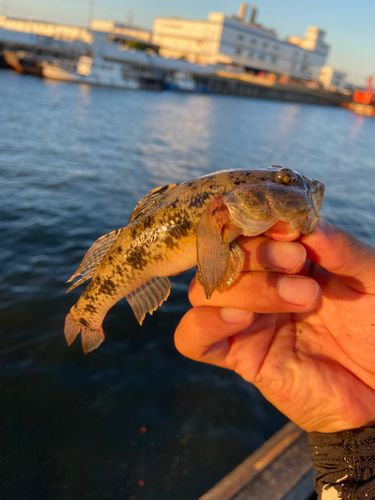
(130, 17)
(91, 11)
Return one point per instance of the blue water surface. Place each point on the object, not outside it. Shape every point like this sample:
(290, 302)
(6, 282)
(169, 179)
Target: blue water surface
(74, 161)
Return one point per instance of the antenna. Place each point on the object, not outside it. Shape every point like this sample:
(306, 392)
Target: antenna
(130, 17)
(253, 14)
(91, 11)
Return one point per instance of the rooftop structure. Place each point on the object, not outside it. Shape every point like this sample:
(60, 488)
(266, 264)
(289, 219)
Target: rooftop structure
(232, 40)
(313, 40)
(331, 78)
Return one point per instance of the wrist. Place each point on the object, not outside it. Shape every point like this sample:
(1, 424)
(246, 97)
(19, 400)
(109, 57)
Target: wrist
(344, 462)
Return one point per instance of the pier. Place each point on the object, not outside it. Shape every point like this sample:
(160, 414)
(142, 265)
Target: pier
(249, 87)
(221, 82)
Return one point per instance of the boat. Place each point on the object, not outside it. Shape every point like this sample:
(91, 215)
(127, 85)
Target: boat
(362, 109)
(364, 100)
(94, 71)
(3, 62)
(281, 469)
(151, 79)
(182, 81)
(23, 62)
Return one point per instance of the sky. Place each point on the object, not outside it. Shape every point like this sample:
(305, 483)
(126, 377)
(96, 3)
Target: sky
(349, 25)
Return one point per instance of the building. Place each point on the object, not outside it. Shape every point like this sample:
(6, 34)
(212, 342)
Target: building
(50, 30)
(331, 78)
(105, 26)
(73, 33)
(233, 40)
(22, 33)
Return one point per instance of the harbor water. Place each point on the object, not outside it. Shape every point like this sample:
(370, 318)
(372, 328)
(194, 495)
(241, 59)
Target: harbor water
(134, 419)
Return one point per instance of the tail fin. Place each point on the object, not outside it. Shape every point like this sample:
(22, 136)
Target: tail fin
(91, 338)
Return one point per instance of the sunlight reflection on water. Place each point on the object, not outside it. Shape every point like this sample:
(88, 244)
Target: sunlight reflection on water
(179, 132)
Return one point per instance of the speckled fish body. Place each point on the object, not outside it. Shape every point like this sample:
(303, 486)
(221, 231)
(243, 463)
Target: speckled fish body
(180, 226)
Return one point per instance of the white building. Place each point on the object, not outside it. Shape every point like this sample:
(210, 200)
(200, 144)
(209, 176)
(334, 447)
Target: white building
(331, 78)
(232, 40)
(51, 30)
(72, 33)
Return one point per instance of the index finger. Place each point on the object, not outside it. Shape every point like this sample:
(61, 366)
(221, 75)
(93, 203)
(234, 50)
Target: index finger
(342, 254)
(265, 254)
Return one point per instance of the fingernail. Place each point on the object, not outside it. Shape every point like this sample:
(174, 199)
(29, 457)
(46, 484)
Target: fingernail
(299, 291)
(286, 255)
(232, 315)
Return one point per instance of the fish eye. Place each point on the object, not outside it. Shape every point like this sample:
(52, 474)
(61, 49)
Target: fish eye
(286, 176)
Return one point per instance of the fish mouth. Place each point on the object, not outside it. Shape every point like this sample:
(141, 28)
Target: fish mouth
(306, 225)
(317, 194)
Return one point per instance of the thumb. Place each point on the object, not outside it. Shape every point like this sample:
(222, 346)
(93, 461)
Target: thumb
(342, 254)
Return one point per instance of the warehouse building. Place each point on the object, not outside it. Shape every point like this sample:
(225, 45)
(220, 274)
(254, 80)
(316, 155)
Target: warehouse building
(242, 42)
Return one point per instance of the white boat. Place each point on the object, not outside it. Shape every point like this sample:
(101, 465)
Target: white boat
(180, 80)
(94, 71)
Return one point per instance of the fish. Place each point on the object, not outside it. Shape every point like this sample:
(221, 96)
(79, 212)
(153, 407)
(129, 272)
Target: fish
(179, 226)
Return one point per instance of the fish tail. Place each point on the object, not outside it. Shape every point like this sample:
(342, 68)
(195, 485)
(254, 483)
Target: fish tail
(91, 337)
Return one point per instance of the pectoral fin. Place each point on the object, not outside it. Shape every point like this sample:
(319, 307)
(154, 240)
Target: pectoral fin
(236, 262)
(219, 263)
(147, 297)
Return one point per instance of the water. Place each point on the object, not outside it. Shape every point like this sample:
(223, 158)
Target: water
(74, 161)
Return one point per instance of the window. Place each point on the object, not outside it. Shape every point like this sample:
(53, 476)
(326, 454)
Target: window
(253, 41)
(261, 57)
(250, 55)
(241, 37)
(276, 47)
(265, 45)
(238, 51)
(274, 59)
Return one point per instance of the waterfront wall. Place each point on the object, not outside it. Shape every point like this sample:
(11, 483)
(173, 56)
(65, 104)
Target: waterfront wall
(243, 85)
(218, 85)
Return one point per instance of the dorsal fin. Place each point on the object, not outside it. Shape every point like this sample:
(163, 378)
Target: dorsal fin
(94, 255)
(151, 199)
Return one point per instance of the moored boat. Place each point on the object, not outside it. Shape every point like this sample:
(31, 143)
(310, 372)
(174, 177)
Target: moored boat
(362, 109)
(94, 71)
(151, 79)
(182, 81)
(23, 62)
(364, 100)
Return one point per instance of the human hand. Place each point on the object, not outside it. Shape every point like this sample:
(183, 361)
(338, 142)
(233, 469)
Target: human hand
(306, 340)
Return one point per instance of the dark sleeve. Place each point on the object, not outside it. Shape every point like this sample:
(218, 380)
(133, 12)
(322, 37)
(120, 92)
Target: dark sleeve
(344, 463)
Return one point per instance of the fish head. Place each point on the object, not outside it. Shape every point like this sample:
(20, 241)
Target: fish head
(281, 195)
